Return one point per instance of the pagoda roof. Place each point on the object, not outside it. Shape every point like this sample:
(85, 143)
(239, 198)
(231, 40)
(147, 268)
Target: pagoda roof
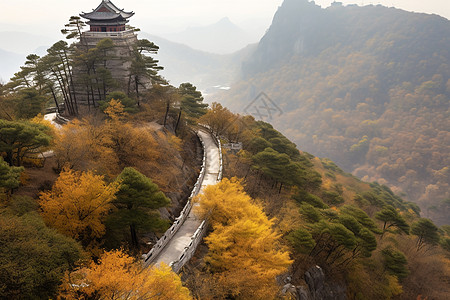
(107, 11)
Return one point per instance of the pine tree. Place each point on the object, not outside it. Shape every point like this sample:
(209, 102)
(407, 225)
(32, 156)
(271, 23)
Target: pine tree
(192, 102)
(395, 262)
(18, 139)
(9, 177)
(426, 232)
(391, 218)
(136, 203)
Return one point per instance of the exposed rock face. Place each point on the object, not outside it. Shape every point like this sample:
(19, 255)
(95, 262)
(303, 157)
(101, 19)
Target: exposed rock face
(319, 288)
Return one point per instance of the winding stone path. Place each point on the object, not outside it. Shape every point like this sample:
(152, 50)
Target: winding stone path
(182, 238)
(51, 117)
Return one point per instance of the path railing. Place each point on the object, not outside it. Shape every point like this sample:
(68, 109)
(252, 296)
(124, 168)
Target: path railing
(191, 248)
(61, 119)
(197, 237)
(219, 145)
(162, 242)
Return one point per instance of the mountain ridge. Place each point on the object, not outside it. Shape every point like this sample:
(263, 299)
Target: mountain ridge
(9, 62)
(15, 46)
(367, 87)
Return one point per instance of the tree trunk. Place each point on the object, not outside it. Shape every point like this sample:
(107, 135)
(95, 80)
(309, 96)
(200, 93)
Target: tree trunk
(167, 113)
(134, 239)
(68, 80)
(384, 230)
(136, 86)
(56, 101)
(178, 122)
(18, 156)
(88, 98)
(9, 158)
(92, 95)
(63, 90)
(71, 84)
(129, 86)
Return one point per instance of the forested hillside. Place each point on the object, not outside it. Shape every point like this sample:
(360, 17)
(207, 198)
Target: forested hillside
(367, 87)
(369, 242)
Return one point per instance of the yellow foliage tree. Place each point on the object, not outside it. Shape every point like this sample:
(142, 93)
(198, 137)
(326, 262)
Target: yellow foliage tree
(106, 147)
(83, 144)
(115, 110)
(118, 276)
(39, 119)
(217, 118)
(111, 145)
(77, 205)
(131, 145)
(245, 253)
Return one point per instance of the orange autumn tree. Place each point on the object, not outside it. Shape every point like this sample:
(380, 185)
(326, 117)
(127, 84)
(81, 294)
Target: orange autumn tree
(77, 205)
(119, 276)
(108, 146)
(115, 110)
(245, 253)
(85, 144)
(217, 118)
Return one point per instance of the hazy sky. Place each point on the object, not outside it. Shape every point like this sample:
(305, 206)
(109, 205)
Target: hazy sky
(157, 17)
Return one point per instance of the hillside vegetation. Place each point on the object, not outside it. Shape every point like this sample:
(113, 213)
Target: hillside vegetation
(367, 87)
(370, 242)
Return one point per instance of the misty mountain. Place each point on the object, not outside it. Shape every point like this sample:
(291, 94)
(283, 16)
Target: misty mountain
(15, 46)
(222, 37)
(207, 71)
(368, 87)
(22, 42)
(9, 64)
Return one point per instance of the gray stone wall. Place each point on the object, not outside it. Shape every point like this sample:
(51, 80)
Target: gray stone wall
(118, 65)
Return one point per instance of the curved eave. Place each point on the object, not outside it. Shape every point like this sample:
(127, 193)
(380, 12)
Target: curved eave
(96, 16)
(105, 23)
(127, 15)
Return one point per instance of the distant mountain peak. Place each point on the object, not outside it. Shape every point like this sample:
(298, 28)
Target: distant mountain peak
(226, 24)
(222, 37)
(225, 19)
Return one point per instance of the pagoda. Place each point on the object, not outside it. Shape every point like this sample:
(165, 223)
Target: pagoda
(107, 18)
(107, 21)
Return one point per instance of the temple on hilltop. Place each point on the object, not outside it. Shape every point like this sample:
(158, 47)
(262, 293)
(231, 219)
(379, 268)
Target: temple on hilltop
(107, 21)
(107, 18)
